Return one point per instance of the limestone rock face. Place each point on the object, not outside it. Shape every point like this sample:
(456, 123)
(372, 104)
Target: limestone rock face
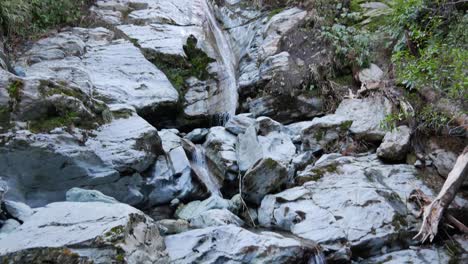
(42, 167)
(82, 195)
(416, 256)
(229, 244)
(395, 144)
(171, 176)
(215, 217)
(264, 177)
(85, 233)
(220, 148)
(358, 200)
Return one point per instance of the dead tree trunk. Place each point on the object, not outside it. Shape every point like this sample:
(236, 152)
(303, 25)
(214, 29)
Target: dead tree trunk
(434, 212)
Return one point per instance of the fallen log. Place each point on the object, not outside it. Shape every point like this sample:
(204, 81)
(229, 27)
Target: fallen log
(434, 212)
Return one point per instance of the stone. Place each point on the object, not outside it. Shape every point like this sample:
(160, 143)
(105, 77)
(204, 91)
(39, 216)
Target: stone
(83, 196)
(443, 161)
(367, 115)
(239, 123)
(395, 144)
(18, 210)
(196, 208)
(230, 243)
(220, 149)
(121, 74)
(172, 226)
(416, 256)
(126, 144)
(361, 118)
(215, 217)
(371, 75)
(357, 200)
(265, 177)
(90, 232)
(8, 227)
(197, 135)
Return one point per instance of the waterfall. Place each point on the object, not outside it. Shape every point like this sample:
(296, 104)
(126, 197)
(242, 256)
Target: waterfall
(200, 166)
(228, 80)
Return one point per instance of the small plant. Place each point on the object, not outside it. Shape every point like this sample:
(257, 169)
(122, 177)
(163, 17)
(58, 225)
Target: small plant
(352, 45)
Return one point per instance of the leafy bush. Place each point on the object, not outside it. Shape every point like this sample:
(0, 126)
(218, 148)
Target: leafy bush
(25, 17)
(431, 46)
(352, 45)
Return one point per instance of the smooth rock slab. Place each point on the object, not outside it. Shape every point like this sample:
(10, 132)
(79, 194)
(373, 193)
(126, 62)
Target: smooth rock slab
(358, 200)
(414, 256)
(94, 231)
(121, 74)
(232, 244)
(395, 144)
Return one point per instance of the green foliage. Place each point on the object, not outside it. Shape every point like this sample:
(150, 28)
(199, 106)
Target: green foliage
(50, 123)
(274, 12)
(14, 90)
(392, 121)
(195, 65)
(352, 45)
(439, 57)
(26, 17)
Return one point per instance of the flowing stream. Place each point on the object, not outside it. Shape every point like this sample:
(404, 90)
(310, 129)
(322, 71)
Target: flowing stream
(228, 79)
(200, 166)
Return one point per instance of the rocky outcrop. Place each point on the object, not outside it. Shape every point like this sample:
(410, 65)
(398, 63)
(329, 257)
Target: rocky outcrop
(40, 168)
(230, 244)
(115, 70)
(172, 176)
(84, 233)
(416, 256)
(395, 144)
(359, 201)
(359, 118)
(265, 176)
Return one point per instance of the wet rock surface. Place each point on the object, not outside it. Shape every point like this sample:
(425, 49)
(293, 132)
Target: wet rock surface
(209, 117)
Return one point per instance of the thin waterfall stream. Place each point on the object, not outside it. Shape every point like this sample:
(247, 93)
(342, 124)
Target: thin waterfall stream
(200, 166)
(228, 79)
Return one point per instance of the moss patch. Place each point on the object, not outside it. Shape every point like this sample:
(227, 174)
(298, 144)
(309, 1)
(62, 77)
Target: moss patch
(178, 71)
(274, 12)
(399, 222)
(46, 125)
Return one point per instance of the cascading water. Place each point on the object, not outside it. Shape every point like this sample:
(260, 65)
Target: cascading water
(227, 77)
(200, 166)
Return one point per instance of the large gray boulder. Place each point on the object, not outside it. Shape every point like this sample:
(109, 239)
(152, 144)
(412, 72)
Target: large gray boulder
(415, 256)
(357, 200)
(116, 71)
(266, 139)
(232, 244)
(83, 195)
(361, 118)
(215, 217)
(40, 168)
(220, 148)
(395, 144)
(266, 176)
(91, 232)
(172, 176)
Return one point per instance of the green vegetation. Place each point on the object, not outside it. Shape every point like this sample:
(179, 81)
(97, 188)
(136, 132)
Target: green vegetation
(352, 46)
(274, 12)
(195, 65)
(14, 90)
(431, 46)
(46, 125)
(26, 17)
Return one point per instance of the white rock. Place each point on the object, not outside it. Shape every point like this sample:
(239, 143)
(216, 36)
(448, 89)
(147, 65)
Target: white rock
(92, 230)
(231, 244)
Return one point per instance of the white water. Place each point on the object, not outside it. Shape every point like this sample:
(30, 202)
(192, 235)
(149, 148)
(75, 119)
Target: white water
(228, 80)
(200, 166)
